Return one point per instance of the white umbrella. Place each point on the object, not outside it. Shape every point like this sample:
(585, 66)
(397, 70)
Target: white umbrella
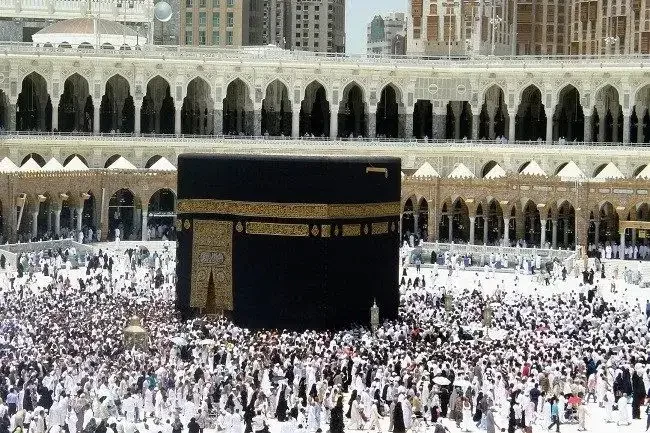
(440, 380)
(207, 342)
(179, 341)
(462, 383)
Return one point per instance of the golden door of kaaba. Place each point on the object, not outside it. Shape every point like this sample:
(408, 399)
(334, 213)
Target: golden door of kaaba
(211, 286)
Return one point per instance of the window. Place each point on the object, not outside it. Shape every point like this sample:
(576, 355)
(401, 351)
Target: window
(316, 17)
(188, 3)
(188, 37)
(201, 37)
(216, 20)
(315, 44)
(216, 37)
(229, 39)
(202, 3)
(188, 19)
(216, 3)
(231, 3)
(315, 35)
(298, 34)
(317, 26)
(202, 19)
(231, 19)
(297, 16)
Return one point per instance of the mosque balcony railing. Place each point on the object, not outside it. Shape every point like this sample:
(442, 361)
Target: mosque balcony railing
(261, 54)
(145, 140)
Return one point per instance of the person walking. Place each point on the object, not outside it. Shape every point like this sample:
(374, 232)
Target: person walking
(555, 415)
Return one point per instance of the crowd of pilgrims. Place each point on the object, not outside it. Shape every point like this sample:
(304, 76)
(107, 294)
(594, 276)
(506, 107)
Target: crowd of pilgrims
(64, 366)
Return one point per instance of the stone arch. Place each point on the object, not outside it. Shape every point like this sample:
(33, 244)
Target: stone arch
(638, 170)
(607, 220)
(454, 220)
(158, 110)
(111, 160)
(640, 118)
(117, 111)
(493, 214)
(238, 108)
(35, 156)
(76, 106)
(277, 111)
(530, 121)
(423, 219)
(70, 157)
(494, 114)
(123, 215)
(352, 111)
(487, 167)
(568, 117)
(390, 112)
(161, 207)
(198, 106)
(34, 105)
(409, 209)
(565, 216)
(315, 111)
(609, 114)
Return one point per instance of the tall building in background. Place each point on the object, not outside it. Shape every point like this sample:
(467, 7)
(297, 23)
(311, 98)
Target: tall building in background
(520, 27)
(19, 20)
(213, 22)
(385, 35)
(315, 25)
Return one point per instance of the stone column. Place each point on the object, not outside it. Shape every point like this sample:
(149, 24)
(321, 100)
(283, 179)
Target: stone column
(554, 233)
(491, 133)
(415, 222)
(520, 228)
(34, 224)
(587, 129)
(512, 126)
(177, 120)
(622, 240)
(485, 230)
(565, 241)
(11, 121)
(48, 220)
(438, 124)
(476, 121)
(217, 119)
(626, 126)
(408, 123)
(432, 224)
(55, 114)
(57, 222)
(71, 219)
(601, 127)
(80, 211)
(295, 122)
(472, 220)
(542, 240)
(633, 237)
(96, 119)
(372, 122)
(615, 127)
(549, 125)
(137, 124)
(145, 225)
(257, 122)
(597, 232)
(450, 216)
(506, 230)
(640, 137)
(334, 124)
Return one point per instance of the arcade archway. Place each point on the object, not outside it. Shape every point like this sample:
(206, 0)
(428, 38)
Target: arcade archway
(238, 109)
(454, 222)
(76, 108)
(568, 119)
(610, 115)
(423, 119)
(157, 115)
(388, 113)
(276, 110)
(458, 124)
(34, 107)
(161, 214)
(352, 112)
(315, 111)
(117, 112)
(197, 111)
(122, 215)
(531, 116)
(493, 115)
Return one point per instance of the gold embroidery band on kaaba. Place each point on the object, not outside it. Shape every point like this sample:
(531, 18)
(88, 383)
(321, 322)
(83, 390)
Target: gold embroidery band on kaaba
(277, 229)
(288, 210)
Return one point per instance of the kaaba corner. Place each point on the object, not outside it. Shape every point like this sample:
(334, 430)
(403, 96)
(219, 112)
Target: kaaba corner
(288, 242)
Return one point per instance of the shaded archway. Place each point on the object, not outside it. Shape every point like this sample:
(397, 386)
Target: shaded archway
(408, 220)
(568, 119)
(607, 223)
(493, 214)
(237, 109)
(422, 220)
(565, 225)
(531, 116)
(610, 115)
(36, 157)
(458, 123)
(88, 219)
(454, 221)
(4, 114)
(640, 121)
(352, 112)
(44, 218)
(315, 111)
(197, 110)
(122, 215)
(34, 107)
(117, 112)
(531, 224)
(160, 215)
(157, 115)
(76, 110)
(388, 113)
(493, 114)
(276, 110)
(423, 119)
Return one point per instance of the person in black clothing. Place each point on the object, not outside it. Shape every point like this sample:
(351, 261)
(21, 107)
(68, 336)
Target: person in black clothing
(193, 426)
(398, 419)
(281, 409)
(177, 425)
(336, 417)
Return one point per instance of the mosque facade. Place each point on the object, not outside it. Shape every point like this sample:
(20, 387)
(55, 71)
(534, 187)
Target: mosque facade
(547, 149)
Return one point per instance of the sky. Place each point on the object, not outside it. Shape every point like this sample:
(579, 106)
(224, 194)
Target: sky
(359, 13)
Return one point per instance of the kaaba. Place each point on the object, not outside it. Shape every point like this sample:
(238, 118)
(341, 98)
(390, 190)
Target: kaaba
(288, 242)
